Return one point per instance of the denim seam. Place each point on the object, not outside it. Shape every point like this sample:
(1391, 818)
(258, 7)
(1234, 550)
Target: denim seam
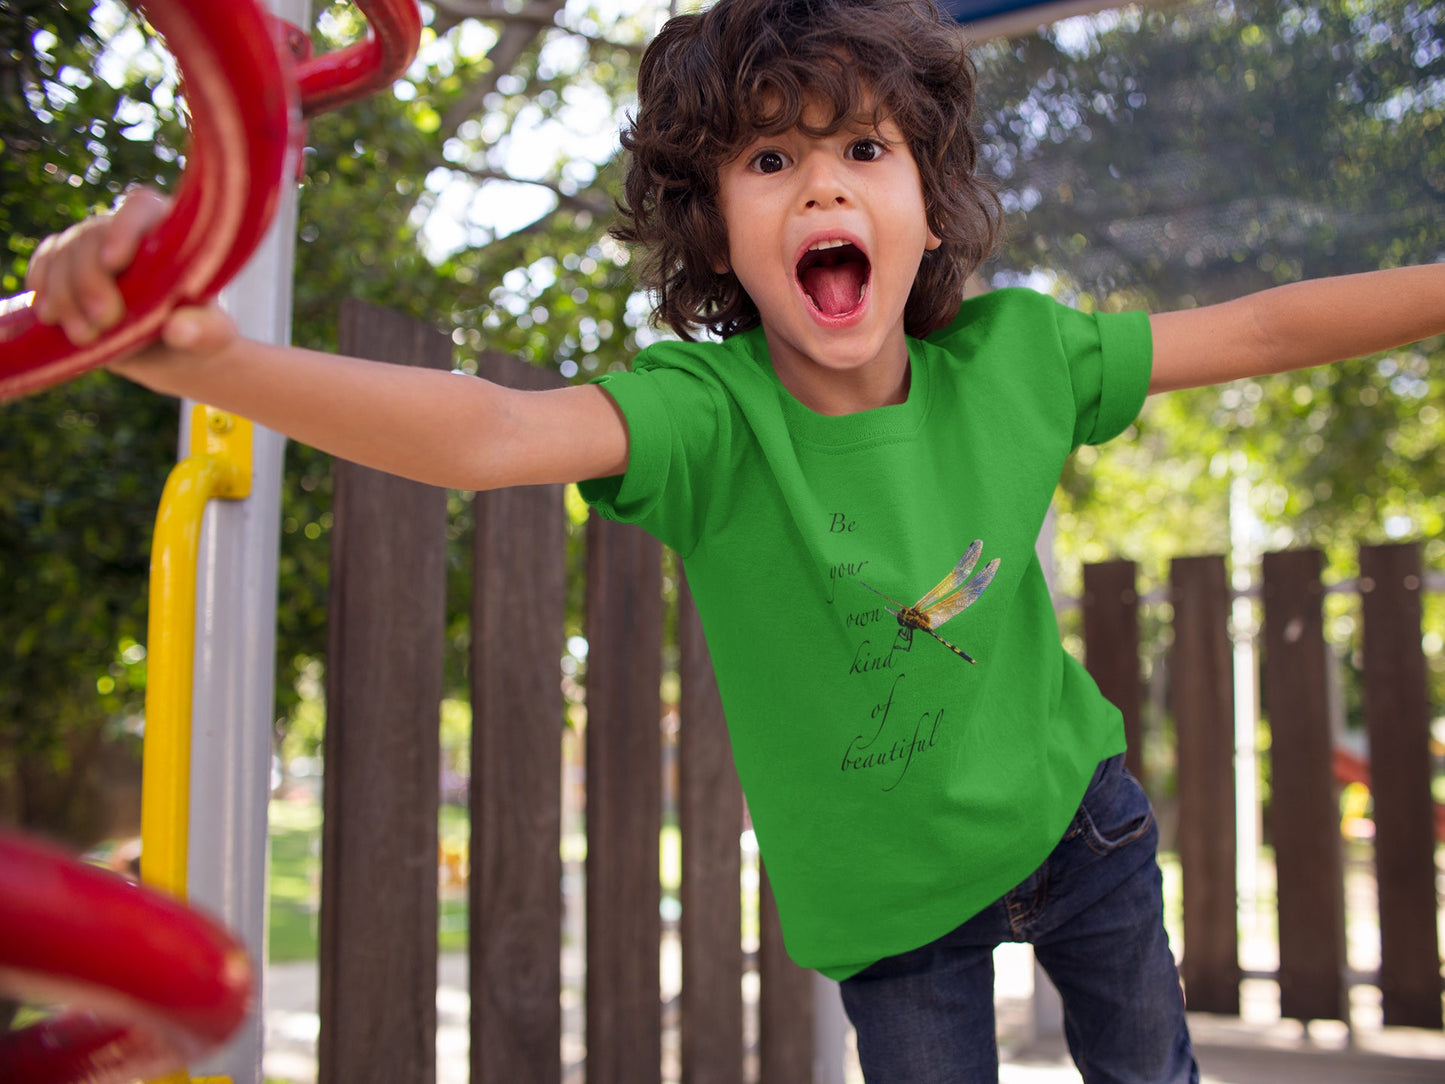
(1020, 912)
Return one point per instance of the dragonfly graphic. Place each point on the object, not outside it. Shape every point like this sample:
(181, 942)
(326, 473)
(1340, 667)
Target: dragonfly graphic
(954, 594)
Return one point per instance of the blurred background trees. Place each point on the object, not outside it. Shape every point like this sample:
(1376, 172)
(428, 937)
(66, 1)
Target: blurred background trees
(1172, 156)
(1161, 156)
(400, 206)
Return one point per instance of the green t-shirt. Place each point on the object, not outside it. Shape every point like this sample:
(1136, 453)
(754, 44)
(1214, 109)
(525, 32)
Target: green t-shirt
(896, 789)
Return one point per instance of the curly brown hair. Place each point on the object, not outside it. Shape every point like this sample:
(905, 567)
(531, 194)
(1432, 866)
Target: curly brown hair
(712, 82)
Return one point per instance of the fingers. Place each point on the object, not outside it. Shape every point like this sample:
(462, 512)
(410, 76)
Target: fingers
(73, 273)
(72, 289)
(202, 328)
(140, 212)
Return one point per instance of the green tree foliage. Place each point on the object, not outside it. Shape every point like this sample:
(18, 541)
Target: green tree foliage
(81, 466)
(1173, 156)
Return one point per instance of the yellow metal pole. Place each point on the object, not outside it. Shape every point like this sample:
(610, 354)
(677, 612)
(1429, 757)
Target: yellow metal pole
(219, 466)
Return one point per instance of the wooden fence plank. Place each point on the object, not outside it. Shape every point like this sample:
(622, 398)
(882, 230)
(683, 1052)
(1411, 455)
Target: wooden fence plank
(624, 804)
(378, 926)
(1397, 714)
(519, 606)
(1202, 680)
(785, 1024)
(710, 817)
(1304, 805)
(1111, 646)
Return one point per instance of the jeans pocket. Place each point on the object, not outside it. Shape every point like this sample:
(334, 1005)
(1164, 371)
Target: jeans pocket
(1115, 811)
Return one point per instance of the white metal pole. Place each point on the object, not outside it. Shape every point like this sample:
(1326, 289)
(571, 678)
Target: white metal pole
(830, 1031)
(1244, 555)
(234, 691)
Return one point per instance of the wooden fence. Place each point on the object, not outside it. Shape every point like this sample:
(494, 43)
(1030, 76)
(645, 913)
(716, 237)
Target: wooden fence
(379, 883)
(1304, 811)
(379, 902)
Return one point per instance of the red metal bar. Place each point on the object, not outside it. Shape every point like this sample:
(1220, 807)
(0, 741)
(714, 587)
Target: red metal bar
(157, 983)
(346, 75)
(246, 117)
(246, 101)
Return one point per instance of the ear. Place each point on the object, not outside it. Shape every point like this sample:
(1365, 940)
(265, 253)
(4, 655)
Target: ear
(931, 240)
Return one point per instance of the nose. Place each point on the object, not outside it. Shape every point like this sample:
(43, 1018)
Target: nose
(821, 183)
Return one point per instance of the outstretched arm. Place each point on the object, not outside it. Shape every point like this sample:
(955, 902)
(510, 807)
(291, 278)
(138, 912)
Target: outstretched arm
(445, 429)
(441, 428)
(1297, 326)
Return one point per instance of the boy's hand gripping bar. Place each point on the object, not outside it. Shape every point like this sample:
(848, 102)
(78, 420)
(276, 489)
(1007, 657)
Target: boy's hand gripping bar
(247, 100)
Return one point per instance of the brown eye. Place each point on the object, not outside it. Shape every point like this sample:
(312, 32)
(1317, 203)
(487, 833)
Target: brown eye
(769, 161)
(866, 150)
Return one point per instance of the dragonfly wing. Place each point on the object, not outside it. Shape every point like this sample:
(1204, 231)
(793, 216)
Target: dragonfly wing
(952, 581)
(962, 599)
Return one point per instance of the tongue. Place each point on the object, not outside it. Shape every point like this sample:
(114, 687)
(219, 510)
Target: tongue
(838, 289)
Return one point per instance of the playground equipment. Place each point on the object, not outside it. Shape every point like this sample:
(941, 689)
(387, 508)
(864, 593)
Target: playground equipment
(224, 202)
(247, 102)
(1351, 767)
(152, 983)
(164, 986)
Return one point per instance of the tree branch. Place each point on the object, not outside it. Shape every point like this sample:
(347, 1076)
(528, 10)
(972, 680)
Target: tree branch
(518, 32)
(530, 228)
(515, 38)
(451, 12)
(570, 200)
(540, 13)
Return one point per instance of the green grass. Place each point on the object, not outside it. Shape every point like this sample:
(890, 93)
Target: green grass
(295, 887)
(294, 903)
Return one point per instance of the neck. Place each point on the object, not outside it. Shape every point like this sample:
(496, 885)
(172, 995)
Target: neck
(836, 392)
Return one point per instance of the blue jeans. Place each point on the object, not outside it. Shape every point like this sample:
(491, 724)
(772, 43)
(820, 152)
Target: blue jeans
(1094, 912)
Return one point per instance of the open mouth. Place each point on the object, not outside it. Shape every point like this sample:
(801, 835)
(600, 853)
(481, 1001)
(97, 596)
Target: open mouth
(834, 275)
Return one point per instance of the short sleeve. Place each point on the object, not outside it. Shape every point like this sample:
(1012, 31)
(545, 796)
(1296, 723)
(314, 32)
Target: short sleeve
(676, 441)
(1110, 359)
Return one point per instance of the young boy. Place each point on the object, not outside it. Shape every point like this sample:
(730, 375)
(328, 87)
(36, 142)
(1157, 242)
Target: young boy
(928, 771)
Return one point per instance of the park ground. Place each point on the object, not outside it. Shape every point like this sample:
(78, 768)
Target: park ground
(1257, 1048)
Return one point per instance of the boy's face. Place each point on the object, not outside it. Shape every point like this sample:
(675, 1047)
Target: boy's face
(826, 234)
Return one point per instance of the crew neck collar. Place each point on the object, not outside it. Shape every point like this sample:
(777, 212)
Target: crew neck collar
(878, 423)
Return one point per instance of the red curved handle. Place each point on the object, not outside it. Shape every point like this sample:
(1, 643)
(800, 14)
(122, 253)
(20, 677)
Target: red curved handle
(333, 79)
(226, 197)
(158, 984)
(246, 103)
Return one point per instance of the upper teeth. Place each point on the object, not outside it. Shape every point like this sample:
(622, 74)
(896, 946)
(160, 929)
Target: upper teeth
(836, 243)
